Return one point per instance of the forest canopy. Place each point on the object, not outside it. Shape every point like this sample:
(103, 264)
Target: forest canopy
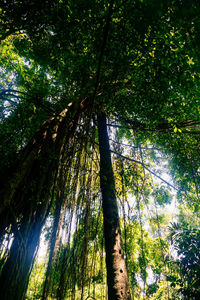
(99, 152)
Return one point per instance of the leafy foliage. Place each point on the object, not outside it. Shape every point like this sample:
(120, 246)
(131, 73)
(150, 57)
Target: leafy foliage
(185, 240)
(145, 74)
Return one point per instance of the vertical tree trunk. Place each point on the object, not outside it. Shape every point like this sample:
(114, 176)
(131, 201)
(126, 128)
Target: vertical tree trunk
(117, 278)
(16, 271)
(29, 198)
(54, 237)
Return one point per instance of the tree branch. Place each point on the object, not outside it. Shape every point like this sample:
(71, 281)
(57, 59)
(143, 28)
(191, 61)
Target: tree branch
(145, 167)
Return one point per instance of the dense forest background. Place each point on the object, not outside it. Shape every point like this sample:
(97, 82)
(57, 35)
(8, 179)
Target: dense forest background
(99, 154)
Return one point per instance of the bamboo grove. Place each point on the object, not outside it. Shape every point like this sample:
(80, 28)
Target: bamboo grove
(99, 131)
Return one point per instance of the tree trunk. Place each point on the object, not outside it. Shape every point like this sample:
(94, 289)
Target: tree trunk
(15, 274)
(54, 238)
(40, 154)
(28, 195)
(117, 278)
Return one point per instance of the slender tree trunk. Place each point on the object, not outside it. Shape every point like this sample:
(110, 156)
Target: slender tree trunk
(54, 237)
(117, 278)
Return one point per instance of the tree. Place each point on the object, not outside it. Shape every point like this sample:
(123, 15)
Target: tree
(185, 240)
(117, 277)
(143, 64)
(37, 172)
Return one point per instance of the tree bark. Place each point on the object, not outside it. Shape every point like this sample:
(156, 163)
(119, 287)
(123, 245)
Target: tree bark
(38, 154)
(117, 278)
(15, 274)
(26, 201)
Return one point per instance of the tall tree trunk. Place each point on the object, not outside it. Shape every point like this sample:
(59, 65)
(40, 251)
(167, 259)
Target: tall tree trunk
(15, 274)
(28, 195)
(54, 238)
(40, 154)
(26, 228)
(117, 278)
